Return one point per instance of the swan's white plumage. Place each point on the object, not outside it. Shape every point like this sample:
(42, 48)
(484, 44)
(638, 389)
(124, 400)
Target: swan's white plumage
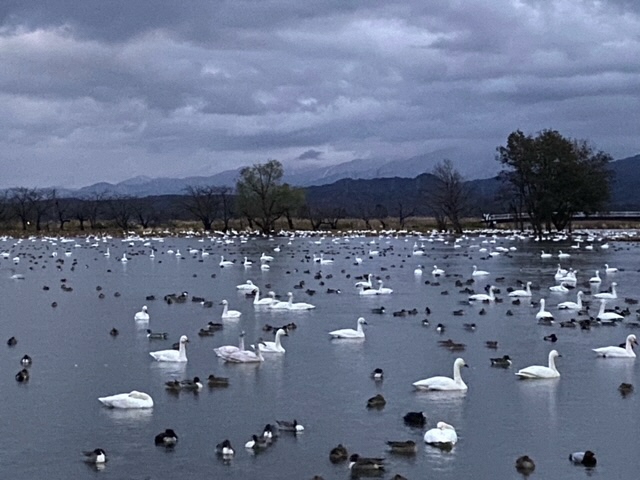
(133, 399)
(444, 383)
(349, 333)
(541, 372)
(444, 435)
(179, 355)
(619, 352)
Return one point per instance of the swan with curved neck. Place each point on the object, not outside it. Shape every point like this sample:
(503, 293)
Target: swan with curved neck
(541, 372)
(229, 349)
(179, 355)
(349, 333)
(619, 352)
(445, 383)
(577, 305)
(273, 347)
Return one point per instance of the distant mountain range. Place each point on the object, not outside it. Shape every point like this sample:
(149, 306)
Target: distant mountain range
(364, 182)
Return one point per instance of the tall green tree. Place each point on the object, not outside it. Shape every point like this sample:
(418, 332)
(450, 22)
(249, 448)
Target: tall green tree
(554, 177)
(262, 197)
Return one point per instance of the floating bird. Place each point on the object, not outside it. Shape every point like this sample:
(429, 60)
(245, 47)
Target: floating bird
(588, 458)
(225, 449)
(619, 352)
(214, 381)
(377, 374)
(407, 447)
(338, 454)
(348, 333)
(540, 372)
(273, 347)
(142, 315)
(376, 401)
(443, 436)
(156, 335)
(22, 376)
(168, 438)
(179, 355)
(362, 465)
(229, 349)
(444, 383)
(525, 465)
(286, 426)
(415, 419)
(502, 362)
(229, 314)
(97, 456)
(133, 399)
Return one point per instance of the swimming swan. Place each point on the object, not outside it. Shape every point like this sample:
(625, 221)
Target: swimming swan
(609, 295)
(226, 313)
(172, 355)
(542, 313)
(273, 347)
(540, 372)
(133, 399)
(226, 350)
(248, 286)
(245, 356)
(443, 436)
(577, 305)
(483, 297)
(142, 315)
(270, 300)
(478, 273)
(349, 333)
(607, 316)
(444, 383)
(619, 352)
(522, 293)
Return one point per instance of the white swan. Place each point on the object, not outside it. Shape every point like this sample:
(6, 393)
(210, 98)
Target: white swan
(226, 313)
(279, 305)
(612, 295)
(607, 316)
(106, 254)
(545, 255)
(483, 297)
(365, 283)
(273, 347)
(247, 287)
(577, 305)
(298, 305)
(179, 355)
(367, 291)
(133, 399)
(247, 263)
(437, 271)
(444, 383)
(324, 261)
(608, 269)
(245, 356)
(542, 313)
(560, 273)
(226, 350)
(124, 258)
(350, 333)
(570, 277)
(559, 288)
(257, 301)
(152, 254)
(265, 258)
(443, 436)
(563, 255)
(418, 271)
(225, 263)
(478, 273)
(522, 293)
(539, 372)
(619, 352)
(596, 278)
(142, 315)
(382, 290)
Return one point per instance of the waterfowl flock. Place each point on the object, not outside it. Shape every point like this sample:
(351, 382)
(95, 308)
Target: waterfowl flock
(348, 276)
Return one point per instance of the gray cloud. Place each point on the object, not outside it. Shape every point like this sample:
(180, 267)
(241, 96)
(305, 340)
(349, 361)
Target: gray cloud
(103, 91)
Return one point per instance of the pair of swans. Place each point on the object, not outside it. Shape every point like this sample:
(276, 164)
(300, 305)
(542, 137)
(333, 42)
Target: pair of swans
(289, 305)
(270, 300)
(349, 333)
(179, 355)
(227, 350)
(245, 356)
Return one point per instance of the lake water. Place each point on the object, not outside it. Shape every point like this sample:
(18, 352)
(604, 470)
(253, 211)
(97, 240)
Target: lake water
(324, 384)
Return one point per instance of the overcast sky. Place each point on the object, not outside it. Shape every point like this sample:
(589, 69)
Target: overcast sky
(106, 90)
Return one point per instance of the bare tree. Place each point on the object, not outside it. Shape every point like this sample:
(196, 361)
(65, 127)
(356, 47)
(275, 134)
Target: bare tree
(450, 195)
(203, 202)
(21, 202)
(145, 212)
(381, 213)
(403, 212)
(120, 209)
(61, 209)
(226, 205)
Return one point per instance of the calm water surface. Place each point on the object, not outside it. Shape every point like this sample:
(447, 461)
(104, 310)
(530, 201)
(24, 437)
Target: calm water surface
(324, 384)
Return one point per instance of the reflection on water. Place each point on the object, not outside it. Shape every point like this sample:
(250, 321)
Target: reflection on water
(324, 384)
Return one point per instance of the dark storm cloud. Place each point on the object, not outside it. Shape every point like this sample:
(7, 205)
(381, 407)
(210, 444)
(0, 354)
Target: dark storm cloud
(94, 91)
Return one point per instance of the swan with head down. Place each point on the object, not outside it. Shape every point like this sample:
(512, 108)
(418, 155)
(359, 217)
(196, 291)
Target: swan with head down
(541, 372)
(445, 383)
(133, 399)
(443, 436)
